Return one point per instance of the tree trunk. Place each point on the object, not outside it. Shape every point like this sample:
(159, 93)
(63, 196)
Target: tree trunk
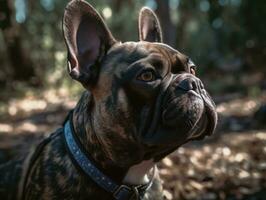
(19, 60)
(118, 4)
(169, 30)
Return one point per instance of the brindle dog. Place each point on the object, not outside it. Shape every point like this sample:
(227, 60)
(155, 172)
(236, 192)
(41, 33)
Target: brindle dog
(142, 101)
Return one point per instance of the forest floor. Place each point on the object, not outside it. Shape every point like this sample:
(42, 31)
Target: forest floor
(231, 164)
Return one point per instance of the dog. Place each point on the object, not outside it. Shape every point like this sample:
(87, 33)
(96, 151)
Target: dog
(142, 101)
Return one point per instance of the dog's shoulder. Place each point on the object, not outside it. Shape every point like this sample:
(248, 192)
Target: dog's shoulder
(48, 167)
(54, 176)
(10, 177)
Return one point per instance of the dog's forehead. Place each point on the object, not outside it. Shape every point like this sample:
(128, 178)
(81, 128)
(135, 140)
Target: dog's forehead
(132, 51)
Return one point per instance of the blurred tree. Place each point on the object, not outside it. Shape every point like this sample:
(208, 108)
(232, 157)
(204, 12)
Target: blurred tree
(169, 30)
(252, 20)
(20, 62)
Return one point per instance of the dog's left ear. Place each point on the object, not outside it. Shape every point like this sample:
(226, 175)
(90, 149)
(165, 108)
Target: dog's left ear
(87, 38)
(149, 26)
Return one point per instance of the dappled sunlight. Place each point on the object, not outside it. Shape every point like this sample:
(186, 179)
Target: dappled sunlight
(26, 105)
(34, 113)
(31, 103)
(239, 107)
(28, 127)
(216, 171)
(6, 128)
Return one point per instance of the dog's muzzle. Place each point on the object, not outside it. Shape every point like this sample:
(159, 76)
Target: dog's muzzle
(185, 112)
(188, 107)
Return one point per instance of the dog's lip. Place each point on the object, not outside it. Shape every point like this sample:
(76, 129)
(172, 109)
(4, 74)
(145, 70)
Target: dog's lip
(200, 127)
(210, 113)
(208, 122)
(171, 111)
(212, 118)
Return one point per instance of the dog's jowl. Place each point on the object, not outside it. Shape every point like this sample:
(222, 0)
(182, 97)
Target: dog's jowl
(142, 100)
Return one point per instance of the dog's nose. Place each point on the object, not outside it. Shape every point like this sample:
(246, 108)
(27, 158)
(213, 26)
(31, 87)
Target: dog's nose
(190, 84)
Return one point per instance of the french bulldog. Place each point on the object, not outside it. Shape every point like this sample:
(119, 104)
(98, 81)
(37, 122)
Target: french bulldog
(142, 101)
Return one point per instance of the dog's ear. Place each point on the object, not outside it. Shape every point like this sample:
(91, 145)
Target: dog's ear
(87, 38)
(149, 26)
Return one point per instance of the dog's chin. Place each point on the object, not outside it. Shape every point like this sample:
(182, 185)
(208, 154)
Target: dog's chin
(168, 144)
(181, 118)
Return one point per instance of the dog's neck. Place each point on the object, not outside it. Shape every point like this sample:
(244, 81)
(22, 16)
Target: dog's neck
(138, 174)
(111, 155)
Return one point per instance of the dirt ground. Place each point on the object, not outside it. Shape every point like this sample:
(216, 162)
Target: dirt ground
(230, 165)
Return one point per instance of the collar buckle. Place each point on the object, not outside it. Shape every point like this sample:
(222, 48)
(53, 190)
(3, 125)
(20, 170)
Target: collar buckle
(124, 192)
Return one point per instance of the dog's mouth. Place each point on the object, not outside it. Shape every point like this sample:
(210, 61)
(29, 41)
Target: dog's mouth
(185, 115)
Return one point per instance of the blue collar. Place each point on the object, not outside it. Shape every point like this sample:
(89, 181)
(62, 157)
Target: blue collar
(119, 192)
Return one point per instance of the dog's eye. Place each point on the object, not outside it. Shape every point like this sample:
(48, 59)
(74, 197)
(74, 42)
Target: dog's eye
(146, 76)
(193, 70)
(192, 66)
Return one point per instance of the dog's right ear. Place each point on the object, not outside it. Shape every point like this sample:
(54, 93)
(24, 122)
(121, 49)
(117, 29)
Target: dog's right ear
(87, 38)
